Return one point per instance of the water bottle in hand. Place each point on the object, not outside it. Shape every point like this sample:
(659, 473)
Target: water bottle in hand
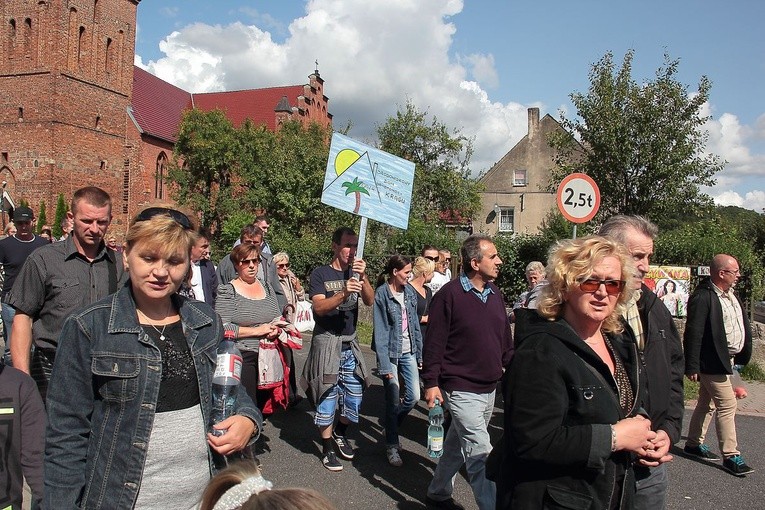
(225, 382)
(436, 431)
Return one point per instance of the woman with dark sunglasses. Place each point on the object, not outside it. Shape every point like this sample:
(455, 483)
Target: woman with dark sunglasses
(129, 401)
(249, 308)
(573, 393)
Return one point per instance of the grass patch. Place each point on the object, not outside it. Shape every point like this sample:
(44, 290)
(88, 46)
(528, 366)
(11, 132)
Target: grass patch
(364, 331)
(753, 372)
(690, 389)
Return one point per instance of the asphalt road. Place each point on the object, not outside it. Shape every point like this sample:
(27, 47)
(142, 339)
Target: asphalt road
(289, 451)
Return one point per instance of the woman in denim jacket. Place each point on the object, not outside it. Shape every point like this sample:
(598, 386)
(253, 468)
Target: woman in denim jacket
(129, 401)
(398, 344)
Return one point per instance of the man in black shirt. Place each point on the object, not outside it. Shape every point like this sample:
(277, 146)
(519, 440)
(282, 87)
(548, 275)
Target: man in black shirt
(14, 250)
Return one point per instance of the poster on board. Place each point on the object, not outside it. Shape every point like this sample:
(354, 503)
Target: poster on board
(368, 182)
(671, 284)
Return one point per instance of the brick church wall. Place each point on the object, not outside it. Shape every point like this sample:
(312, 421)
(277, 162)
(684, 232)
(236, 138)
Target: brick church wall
(66, 86)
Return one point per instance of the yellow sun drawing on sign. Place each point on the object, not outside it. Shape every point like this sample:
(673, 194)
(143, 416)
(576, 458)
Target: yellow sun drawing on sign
(344, 159)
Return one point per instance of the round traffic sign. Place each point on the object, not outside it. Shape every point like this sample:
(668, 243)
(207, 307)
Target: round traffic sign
(578, 198)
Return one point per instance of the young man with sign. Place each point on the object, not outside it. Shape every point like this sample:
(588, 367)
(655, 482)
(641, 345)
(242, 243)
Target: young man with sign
(335, 370)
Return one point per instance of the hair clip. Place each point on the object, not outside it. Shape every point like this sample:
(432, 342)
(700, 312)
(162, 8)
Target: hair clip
(238, 495)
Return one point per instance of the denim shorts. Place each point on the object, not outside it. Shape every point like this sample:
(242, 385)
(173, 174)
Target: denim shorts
(346, 394)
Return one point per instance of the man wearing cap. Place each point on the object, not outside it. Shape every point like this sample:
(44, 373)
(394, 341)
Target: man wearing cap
(14, 250)
(59, 278)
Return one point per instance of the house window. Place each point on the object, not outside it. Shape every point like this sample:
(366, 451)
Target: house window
(519, 178)
(506, 219)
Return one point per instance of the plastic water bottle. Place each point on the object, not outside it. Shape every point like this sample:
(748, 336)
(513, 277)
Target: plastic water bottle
(436, 431)
(226, 380)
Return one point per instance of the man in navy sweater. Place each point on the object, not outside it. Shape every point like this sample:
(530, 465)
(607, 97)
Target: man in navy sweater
(467, 347)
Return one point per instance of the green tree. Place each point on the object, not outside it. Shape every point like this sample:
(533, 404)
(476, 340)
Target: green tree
(61, 210)
(229, 174)
(643, 143)
(442, 182)
(206, 159)
(42, 218)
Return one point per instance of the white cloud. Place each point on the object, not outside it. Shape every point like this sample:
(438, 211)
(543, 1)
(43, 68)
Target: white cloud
(170, 12)
(379, 55)
(482, 68)
(375, 56)
(752, 200)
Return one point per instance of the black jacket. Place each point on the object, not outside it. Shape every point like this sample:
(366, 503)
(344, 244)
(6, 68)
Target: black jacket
(706, 346)
(561, 400)
(664, 366)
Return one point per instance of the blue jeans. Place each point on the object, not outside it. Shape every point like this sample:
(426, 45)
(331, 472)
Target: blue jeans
(396, 409)
(652, 491)
(8, 313)
(346, 394)
(467, 442)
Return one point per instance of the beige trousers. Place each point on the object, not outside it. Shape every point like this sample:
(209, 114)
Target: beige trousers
(715, 396)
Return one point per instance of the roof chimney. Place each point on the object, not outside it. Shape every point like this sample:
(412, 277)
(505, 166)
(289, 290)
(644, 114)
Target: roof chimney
(533, 122)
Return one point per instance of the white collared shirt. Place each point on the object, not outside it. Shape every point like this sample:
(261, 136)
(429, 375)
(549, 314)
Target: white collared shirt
(196, 281)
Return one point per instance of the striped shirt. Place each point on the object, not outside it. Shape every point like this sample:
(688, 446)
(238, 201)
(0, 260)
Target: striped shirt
(237, 310)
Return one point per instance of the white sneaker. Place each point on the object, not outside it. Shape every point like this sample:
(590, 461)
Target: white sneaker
(394, 456)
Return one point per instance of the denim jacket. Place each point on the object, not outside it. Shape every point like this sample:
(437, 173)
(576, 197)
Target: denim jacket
(102, 399)
(387, 327)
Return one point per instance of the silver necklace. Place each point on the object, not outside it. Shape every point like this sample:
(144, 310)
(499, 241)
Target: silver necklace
(161, 332)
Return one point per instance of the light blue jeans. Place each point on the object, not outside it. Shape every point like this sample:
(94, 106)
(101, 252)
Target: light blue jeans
(8, 313)
(346, 394)
(397, 408)
(467, 442)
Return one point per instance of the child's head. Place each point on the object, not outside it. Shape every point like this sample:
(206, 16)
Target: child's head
(242, 487)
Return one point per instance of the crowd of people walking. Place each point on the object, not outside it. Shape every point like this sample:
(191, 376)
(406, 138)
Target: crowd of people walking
(110, 353)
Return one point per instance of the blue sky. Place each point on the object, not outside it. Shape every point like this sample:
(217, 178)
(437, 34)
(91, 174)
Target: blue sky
(476, 65)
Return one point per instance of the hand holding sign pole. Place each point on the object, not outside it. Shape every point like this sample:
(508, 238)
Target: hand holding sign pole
(368, 182)
(578, 198)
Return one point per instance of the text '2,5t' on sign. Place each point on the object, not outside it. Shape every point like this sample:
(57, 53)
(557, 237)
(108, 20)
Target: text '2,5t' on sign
(578, 198)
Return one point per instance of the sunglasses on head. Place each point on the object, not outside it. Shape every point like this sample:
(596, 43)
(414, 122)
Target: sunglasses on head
(178, 216)
(613, 287)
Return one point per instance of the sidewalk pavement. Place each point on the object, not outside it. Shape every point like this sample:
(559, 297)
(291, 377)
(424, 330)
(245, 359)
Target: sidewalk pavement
(752, 405)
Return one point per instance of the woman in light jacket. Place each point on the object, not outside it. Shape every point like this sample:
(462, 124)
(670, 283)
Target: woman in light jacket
(397, 341)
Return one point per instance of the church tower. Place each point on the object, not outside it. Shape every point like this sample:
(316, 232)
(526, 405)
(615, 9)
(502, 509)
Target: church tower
(66, 78)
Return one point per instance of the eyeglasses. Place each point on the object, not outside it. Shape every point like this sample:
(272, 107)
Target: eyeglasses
(613, 287)
(178, 216)
(734, 273)
(434, 259)
(282, 266)
(247, 262)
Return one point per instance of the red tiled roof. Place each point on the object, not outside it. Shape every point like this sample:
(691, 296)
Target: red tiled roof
(157, 105)
(255, 104)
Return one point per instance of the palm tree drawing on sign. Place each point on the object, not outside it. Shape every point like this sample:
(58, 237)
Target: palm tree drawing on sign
(357, 188)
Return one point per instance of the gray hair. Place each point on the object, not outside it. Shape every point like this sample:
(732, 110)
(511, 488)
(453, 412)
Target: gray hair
(616, 227)
(471, 249)
(535, 267)
(281, 256)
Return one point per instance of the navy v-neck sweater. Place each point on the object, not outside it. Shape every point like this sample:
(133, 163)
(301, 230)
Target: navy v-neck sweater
(468, 342)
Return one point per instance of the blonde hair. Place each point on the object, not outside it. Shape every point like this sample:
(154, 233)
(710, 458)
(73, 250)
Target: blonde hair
(422, 267)
(161, 232)
(573, 261)
(276, 499)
